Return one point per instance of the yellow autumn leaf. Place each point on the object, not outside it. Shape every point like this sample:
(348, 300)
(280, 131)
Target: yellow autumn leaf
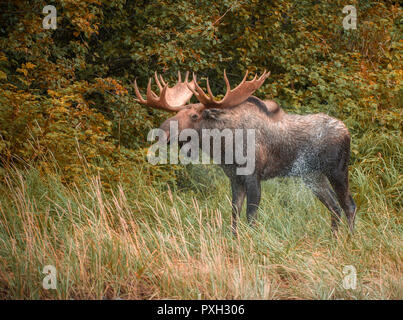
(29, 65)
(24, 71)
(3, 75)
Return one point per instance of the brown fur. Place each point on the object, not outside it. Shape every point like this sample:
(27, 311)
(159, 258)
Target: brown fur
(315, 147)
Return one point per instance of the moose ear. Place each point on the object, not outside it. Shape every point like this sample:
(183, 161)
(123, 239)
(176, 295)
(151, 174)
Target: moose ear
(212, 114)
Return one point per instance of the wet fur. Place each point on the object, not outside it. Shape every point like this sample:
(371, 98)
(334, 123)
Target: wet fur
(315, 147)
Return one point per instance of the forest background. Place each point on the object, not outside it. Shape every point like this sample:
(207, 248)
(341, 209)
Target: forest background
(77, 192)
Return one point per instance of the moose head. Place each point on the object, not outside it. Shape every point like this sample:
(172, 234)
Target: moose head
(189, 116)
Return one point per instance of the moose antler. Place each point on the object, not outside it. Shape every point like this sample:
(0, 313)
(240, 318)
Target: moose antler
(170, 99)
(232, 97)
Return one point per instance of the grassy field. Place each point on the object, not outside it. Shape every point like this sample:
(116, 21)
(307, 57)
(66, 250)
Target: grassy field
(144, 242)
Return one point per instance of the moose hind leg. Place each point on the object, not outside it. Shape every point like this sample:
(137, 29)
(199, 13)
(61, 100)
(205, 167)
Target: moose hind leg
(321, 188)
(238, 197)
(339, 181)
(253, 190)
(338, 178)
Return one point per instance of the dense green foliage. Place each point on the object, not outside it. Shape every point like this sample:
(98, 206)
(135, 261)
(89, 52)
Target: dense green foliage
(71, 87)
(67, 110)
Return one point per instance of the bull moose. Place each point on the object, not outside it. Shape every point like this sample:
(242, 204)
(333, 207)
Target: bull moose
(315, 147)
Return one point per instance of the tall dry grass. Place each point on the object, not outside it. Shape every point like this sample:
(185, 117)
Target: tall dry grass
(138, 241)
(143, 242)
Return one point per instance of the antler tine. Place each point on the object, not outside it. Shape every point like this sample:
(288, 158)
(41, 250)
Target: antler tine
(264, 75)
(227, 81)
(209, 90)
(162, 80)
(157, 81)
(170, 99)
(137, 91)
(227, 85)
(197, 88)
(244, 78)
(199, 91)
(195, 83)
(151, 94)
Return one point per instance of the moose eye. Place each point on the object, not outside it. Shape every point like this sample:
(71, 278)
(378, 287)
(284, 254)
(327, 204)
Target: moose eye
(194, 117)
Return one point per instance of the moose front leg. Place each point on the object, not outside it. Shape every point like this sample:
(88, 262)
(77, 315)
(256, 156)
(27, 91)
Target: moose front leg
(238, 197)
(252, 184)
